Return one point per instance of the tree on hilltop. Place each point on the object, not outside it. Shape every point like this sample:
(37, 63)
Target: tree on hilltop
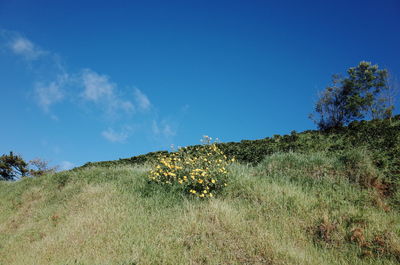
(364, 93)
(12, 167)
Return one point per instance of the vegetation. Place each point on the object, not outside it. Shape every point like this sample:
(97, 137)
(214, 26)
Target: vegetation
(12, 167)
(361, 95)
(39, 167)
(380, 140)
(292, 208)
(201, 172)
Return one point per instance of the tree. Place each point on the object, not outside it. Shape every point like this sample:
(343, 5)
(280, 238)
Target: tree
(364, 93)
(40, 167)
(12, 167)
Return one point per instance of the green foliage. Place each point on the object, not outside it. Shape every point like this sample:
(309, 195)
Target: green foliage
(360, 95)
(12, 167)
(381, 139)
(200, 171)
(136, 160)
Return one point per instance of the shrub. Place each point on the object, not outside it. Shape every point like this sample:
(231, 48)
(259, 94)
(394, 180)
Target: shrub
(200, 172)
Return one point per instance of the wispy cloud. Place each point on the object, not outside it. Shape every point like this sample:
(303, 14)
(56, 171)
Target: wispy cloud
(48, 94)
(113, 136)
(163, 129)
(142, 100)
(24, 47)
(48, 88)
(96, 86)
(99, 89)
(87, 89)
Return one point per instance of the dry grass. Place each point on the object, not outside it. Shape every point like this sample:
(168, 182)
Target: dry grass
(265, 216)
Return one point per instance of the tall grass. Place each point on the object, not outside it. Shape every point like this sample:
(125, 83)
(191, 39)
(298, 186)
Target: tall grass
(290, 209)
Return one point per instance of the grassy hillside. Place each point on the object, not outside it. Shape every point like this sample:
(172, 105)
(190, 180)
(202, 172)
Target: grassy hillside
(381, 138)
(313, 205)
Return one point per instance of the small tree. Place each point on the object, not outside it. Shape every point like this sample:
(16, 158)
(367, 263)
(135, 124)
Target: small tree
(363, 94)
(12, 167)
(40, 167)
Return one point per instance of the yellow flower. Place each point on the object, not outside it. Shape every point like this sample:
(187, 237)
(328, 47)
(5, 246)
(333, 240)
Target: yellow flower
(200, 181)
(204, 191)
(202, 196)
(213, 180)
(210, 195)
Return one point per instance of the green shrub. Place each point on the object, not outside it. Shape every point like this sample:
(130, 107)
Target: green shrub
(200, 171)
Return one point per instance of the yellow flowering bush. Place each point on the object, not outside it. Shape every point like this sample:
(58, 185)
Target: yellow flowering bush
(199, 171)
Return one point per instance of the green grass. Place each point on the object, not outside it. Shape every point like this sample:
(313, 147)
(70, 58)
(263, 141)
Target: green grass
(289, 209)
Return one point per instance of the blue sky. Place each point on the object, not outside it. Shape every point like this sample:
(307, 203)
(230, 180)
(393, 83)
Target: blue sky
(100, 80)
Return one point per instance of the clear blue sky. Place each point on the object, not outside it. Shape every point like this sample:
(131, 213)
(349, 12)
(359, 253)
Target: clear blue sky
(100, 80)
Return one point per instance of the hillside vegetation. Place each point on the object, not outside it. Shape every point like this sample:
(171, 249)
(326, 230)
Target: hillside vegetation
(306, 198)
(380, 139)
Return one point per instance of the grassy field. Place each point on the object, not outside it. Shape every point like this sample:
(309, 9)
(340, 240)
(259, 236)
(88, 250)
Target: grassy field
(289, 209)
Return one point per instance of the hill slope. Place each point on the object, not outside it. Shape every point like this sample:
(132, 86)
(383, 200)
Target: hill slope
(380, 137)
(312, 206)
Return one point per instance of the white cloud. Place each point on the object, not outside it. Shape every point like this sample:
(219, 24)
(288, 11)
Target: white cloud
(155, 128)
(113, 136)
(168, 131)
(66, 165)
(53, 84)
(141, 99)
(96, 87)
(25, 48)
(51, 93)
(99, 89)
(164, 129)
(53, 78)
(127, 106)
(46, 67)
